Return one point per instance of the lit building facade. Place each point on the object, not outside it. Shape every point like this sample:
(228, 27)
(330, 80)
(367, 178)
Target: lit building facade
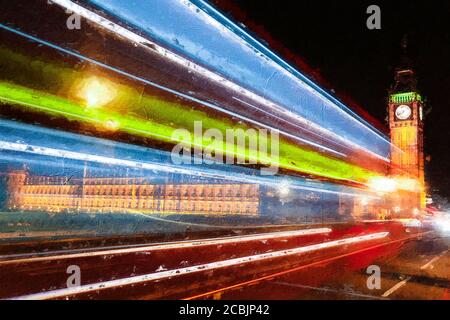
(122, 195)
(406, 122)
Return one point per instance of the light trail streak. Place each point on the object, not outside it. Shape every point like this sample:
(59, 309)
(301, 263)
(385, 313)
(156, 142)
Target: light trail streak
(291, 157)
(180, 94)
(279, 63)
(146, 43)
(279, 118)
(303, 267)
(39, 150)
(95, 287)
(313, 133)
(28, 135)
(64, 255)
(21, 137)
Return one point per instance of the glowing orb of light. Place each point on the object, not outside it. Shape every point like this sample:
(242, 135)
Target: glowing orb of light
(383, 184)
(442, 222)
(97, 92)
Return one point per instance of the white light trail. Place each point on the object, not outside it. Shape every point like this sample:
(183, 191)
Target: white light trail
(45, 151)
(95, 287)
(147, 44)
(134, 77)
(349, 143)
(64, 255)
(295, 76)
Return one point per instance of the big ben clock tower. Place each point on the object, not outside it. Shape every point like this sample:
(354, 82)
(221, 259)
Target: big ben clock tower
(406, 123)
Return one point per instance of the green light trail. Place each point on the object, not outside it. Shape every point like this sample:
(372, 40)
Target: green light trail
(56, 86)
(291, 157)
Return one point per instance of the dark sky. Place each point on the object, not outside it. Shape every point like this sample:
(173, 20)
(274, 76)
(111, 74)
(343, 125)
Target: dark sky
(332, 37)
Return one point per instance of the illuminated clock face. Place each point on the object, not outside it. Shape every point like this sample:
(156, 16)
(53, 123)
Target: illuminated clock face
(403, 112)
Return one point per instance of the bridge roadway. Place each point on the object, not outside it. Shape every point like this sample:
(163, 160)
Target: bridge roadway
(418, 271)
(276, 263)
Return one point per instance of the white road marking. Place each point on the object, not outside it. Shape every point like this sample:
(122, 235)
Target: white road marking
(60, 255)
(396, 287)
(61, 293)
(432, 261)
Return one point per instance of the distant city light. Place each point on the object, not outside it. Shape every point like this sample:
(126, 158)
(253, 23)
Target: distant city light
(442, 222)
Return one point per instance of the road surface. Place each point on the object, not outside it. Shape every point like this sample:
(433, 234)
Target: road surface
(419, 271)
(317, 262)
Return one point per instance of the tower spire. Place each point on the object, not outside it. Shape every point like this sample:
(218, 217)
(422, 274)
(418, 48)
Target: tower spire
(406, 61)
(405, 76)
(404, 43)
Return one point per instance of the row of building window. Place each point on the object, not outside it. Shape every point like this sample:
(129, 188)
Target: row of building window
(162, 206)
(138, 191)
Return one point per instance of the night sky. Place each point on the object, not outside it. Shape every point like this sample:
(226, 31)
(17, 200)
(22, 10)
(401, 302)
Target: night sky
(332, 38)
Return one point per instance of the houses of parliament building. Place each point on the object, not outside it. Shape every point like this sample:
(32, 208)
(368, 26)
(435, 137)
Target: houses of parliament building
(122, 195)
